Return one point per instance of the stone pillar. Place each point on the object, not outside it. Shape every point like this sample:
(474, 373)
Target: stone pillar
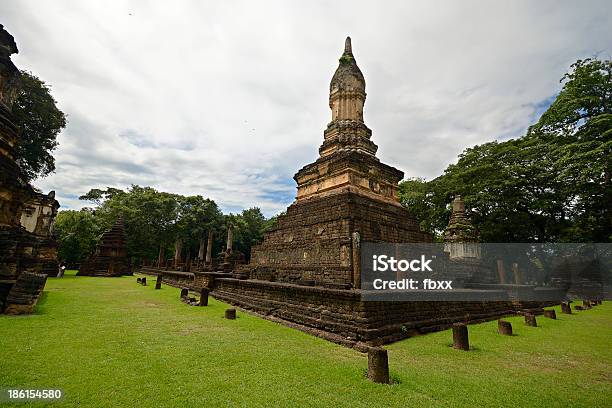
(209, 245)
(566, 308)
(378, 365)
(184, 293)
(201, 250)
(143, 281)
(517, 274)
(138, 280)
(230, 239)
(551, 314)
(356, 242)
(204, 297)
(460, 337)
(158, 283)
(178, 249)
(530, 320)
(161, 262)
(230, 314)
(500, 271)
(504, 327)
(187, 267)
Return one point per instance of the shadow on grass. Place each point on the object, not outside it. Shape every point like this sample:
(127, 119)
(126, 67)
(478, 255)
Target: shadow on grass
(394, 379)
(42, 301)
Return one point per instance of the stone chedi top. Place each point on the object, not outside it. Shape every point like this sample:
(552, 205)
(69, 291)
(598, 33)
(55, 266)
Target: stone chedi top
(460, 227)
(347, 95)
(347, 159)
(110, 257)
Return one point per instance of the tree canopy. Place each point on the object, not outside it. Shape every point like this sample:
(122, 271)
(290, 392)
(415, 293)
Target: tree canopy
(553, 184)
(39, 121)
(155, 220)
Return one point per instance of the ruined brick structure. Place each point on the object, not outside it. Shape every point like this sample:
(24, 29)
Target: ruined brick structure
(38, 218)
(110, 257)
(462, 243)
(25, 253)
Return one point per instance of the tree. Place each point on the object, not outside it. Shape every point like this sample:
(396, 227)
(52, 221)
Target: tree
(77, 233)
(197, 216)
(38, 121)
(551, 185)
(578, 128)
(149, 216)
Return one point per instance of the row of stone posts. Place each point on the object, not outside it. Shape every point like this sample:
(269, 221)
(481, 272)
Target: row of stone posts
(202, 257)
(378, 364)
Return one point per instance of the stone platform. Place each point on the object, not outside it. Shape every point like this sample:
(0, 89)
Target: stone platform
(341, 315)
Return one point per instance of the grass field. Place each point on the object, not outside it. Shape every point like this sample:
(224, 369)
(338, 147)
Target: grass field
(111, 342)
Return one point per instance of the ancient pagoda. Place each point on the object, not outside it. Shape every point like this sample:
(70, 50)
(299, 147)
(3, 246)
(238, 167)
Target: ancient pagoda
(345, 196)
(110, 257)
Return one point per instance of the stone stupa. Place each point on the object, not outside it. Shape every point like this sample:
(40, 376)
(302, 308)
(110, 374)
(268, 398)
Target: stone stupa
(110, 257)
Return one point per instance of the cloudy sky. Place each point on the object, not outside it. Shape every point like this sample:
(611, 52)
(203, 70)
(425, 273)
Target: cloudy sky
(229, 99)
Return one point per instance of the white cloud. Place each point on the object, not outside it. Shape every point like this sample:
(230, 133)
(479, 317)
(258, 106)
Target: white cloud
(229, 99)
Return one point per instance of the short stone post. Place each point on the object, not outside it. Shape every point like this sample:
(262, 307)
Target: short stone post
(184, 293)
(378, 365)
(551, 314)
(460, 337)
(530, 320)
(566, 308)
(578, 307)
(158, 282)
(504, 327)
(143, 281)
(586, 304)
(138, 280)
(230, 313)
(204, 297)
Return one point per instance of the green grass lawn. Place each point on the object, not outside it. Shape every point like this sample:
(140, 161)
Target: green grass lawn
(111, 342)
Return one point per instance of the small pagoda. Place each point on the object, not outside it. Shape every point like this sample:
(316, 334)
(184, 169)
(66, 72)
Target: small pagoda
(110, 257)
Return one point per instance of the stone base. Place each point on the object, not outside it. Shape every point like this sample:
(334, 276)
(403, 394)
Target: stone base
(340, 315)
(313, 240)
(24, 295)
(105, 267)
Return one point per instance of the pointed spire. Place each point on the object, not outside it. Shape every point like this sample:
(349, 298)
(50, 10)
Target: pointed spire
(348, 49)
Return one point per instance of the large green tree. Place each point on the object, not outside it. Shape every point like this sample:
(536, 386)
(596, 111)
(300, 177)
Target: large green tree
(553, 184)
(39, 121)
(577, 129)
(77, 233)
(157, 223)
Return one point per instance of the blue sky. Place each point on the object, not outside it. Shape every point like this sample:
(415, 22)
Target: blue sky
(230, 99)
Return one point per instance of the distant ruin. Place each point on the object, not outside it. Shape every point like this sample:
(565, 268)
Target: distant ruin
(28, 250)
(110, 257)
